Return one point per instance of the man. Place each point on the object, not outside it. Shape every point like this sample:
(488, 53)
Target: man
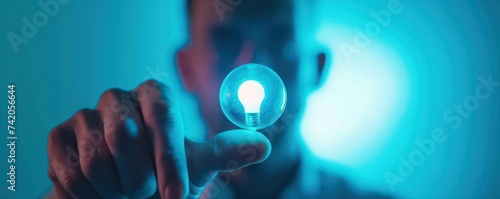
(136, 148)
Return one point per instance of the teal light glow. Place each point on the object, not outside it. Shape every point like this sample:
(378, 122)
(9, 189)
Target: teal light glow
(347, 121)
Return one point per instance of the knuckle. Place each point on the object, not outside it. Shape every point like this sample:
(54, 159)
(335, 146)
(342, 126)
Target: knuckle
(153, 88)
(55, 135)
(58, 136)
(87, 122)
(152, 84)
(111, 94)
(118, 102)
(84, 115)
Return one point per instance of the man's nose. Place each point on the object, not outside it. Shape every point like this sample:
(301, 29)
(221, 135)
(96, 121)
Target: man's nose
(252, 53)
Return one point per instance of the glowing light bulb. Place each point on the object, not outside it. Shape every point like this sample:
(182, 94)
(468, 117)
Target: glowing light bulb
(252, 96)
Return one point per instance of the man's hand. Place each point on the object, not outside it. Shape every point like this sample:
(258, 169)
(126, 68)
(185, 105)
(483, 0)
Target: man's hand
(132, 146)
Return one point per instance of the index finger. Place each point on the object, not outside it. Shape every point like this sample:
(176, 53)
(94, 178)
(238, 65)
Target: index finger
(164, 126)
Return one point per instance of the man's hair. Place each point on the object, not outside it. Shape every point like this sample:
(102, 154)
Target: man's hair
(306, 13)
(302, 4)
(189, 6)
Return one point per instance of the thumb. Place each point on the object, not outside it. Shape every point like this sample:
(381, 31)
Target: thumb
(227, 151)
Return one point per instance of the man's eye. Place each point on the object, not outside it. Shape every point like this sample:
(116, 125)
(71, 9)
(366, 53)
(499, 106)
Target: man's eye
(278, 38)
(227, 40)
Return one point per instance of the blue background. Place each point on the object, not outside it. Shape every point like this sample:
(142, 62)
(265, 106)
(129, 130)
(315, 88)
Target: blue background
(365, 120)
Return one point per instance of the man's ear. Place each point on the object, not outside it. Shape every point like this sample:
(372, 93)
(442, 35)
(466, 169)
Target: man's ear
(322, 67)
(185, 69)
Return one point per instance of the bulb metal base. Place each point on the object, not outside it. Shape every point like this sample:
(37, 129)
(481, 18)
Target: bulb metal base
(252, 119)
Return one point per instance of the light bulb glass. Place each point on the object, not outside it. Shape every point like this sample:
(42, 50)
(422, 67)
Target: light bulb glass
(252, 96)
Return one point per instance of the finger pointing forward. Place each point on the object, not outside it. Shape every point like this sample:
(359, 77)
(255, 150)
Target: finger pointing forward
(227, 151)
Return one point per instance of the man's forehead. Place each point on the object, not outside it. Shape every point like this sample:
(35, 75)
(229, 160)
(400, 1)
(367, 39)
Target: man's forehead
(243, 10)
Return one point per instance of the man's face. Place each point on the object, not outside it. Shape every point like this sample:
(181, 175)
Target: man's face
(254, 31)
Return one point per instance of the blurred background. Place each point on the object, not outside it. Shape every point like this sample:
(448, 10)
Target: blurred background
(386, 91)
